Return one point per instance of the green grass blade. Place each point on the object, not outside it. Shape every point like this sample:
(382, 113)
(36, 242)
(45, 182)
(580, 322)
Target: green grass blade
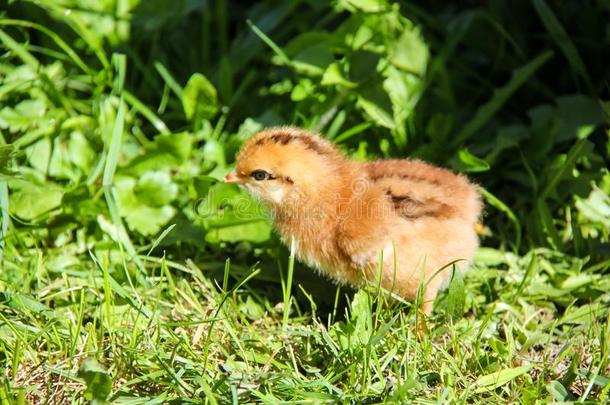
(160, 238)
(5, 216)
(569, 163)
(146, 112)
(288, 286)
(353, 131)
(56, 38)
(278, 51)
(499, 205)
(169, 79)
(546, 220)
(115, 145)
(19, 50)
(119, 64)
(562, 39)
(93, 41)
(487, 110)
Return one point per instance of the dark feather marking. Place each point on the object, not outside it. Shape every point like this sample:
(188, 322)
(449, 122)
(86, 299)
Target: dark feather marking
(284, 138)
(281, 137)
(411, 208)
(404, 200)
(313, 145)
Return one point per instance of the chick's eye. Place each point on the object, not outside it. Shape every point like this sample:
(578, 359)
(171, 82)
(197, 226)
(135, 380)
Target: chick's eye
(260, 175)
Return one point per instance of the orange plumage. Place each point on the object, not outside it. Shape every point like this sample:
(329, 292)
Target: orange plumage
(344, 215)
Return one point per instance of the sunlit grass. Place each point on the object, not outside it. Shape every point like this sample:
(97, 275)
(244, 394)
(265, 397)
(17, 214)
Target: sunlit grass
(186, 336)
(129, 274)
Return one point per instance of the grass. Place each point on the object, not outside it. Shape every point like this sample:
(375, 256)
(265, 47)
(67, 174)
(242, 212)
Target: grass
(183, 336)
(129, 274)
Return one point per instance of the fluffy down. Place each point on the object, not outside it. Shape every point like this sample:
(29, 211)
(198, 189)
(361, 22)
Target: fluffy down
(344, 215)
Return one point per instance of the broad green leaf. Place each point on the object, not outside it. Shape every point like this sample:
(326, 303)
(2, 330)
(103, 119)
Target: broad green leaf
(368, 6)
(361, 316)
(149, 220)
(583, 314)
(558, 391)
(490, 257)
(404, 91)
(376, 113)
(60, 165)
(577, 116)
(81, 152)
(255, 231)
(303, 89)
(97, 379)
(25, 115)
(214, 152)
(470, 163)
(185, 230)
(362, 37)
(578, 280)
(306, 40)
(358, 330)
(334, 76)
(177, 145)
(156, 189)
(410, 53)
(24, 303)
(314, 60)
(202, 185)
(248, 128)
(595, 208)
(230, 215)
(494, 380)
(78, 203)
(199, 98)
(363, 66)
(29, 201)
(542, 119)
(219, 196)
(252, 309)
(166, 152)
(145, 219)
(39, 155)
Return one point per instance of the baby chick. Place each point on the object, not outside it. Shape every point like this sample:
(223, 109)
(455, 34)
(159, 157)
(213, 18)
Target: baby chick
(401, 222)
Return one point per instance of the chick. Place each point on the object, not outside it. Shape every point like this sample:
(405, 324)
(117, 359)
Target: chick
(401, 222)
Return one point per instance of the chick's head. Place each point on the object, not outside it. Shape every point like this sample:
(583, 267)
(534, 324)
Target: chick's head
(285, 164)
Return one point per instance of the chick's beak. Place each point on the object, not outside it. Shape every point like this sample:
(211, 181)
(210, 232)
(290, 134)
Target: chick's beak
(232, 177)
